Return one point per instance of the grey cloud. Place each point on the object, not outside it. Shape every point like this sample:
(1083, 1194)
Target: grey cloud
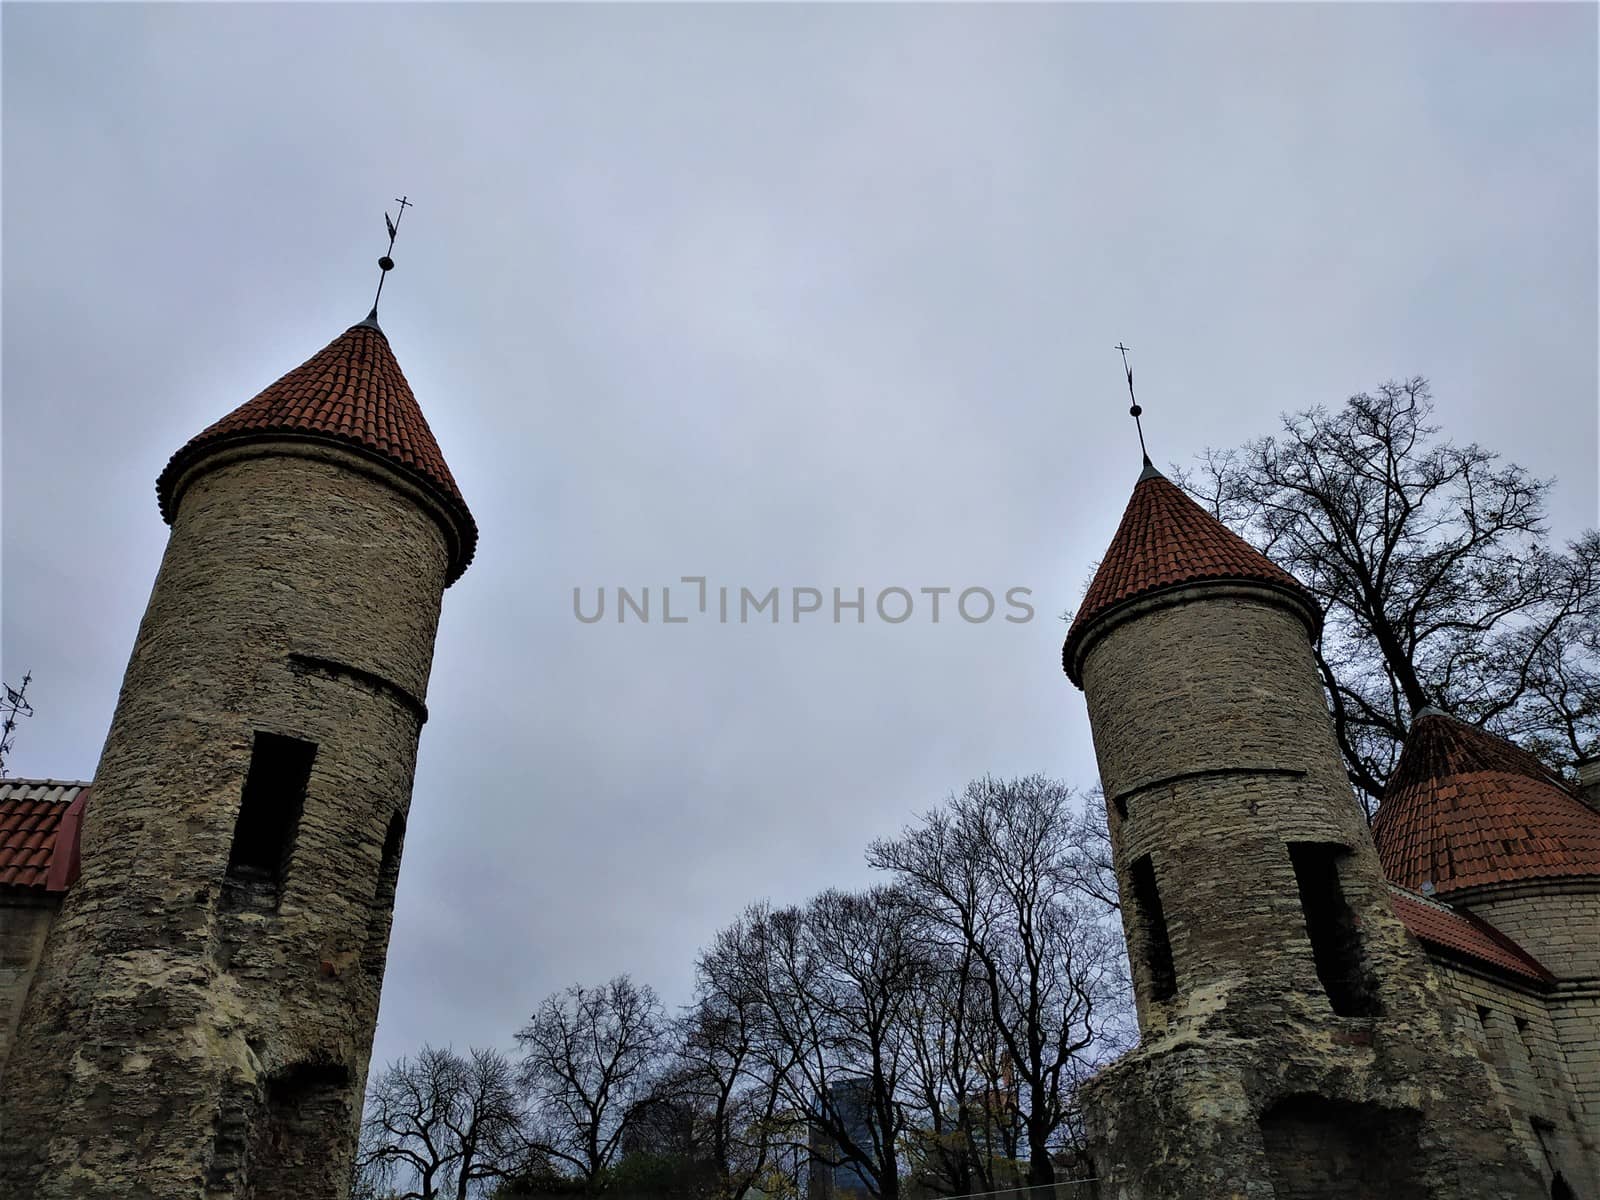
(793, 296)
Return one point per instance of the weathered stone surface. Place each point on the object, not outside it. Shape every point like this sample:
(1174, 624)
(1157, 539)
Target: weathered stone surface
(1558, 922)
(1275, 1063)
(186, 1036)
(25, 923)
(1514, 1031)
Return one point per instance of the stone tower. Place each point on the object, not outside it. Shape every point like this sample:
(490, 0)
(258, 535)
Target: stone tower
(1478, 822)
(202, 1019)
(1294, 1042)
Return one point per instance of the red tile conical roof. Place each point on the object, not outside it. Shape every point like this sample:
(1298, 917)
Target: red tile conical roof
(1465, 808)
(1166, 540)
(351, 393)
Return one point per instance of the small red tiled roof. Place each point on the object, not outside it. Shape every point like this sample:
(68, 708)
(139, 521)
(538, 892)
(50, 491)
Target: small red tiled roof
(351, 392)
(1465, 808)
(1460, 934)
(1167, 540)
(38, 833)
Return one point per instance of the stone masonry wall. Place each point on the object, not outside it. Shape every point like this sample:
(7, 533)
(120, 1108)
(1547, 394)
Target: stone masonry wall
(1217, 757)
(1216, 751)
(174, 1037)
(1558, 922)
(1513, 1032)
(25, 922)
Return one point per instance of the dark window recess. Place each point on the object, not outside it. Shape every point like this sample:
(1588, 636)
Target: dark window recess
(1527, 1048)
(298, 1131)
(382, 909)
(1152, 926)
(1321, 1149)
(269, 812)
(1331, 926)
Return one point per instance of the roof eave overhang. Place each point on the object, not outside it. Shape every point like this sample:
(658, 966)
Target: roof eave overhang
(1527, 882)
(198, 458)
(1461, 960)
(1081, 639)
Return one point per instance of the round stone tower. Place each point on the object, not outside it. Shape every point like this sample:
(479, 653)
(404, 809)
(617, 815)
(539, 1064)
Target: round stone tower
(1293, 1040)
(202, 1020)
(1479, 822)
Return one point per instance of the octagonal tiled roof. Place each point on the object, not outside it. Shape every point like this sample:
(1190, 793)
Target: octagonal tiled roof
(1465, 808)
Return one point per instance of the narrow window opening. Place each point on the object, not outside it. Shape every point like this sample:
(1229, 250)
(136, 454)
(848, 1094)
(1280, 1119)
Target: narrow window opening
(1122, 807)
(1485, 1036)
(382, 910)
(1152, 926)
(269, 815)
(1331, 926)
(1527, 1046)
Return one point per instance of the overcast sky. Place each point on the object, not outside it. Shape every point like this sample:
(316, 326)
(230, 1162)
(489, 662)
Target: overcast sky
(781, 296)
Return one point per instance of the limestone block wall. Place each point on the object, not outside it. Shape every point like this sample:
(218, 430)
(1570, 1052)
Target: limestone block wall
(1575, 1012)
(25, 922)
(1216, 752)
(1513, 1031)
(185, 1037)
(1558, 922)
(1299, 1036)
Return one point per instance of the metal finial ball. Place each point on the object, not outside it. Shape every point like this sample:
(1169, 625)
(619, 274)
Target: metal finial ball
(1135, 411)
(386, 263)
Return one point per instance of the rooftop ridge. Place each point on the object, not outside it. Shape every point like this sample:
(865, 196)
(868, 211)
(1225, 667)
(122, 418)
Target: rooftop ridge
(39, 834)
(1439, 741)
(14, 781)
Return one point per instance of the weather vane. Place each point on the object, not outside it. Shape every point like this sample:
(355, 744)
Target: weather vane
(386, 263)
(1133, 408)
(15, 705)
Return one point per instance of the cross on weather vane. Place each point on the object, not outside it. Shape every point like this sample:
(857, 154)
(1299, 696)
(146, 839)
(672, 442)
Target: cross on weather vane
(386, 263)
(1133, 409)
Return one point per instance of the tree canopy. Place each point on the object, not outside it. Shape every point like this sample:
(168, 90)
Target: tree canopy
(1435, 568)
(931, 1029)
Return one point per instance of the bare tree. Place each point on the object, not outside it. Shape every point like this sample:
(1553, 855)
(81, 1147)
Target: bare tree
(440, 1125)
(588, 1056)
(1433, 565)
(834, 981)
(967, 1126)
(1089, 860)
(725, 1061)
(993, 870)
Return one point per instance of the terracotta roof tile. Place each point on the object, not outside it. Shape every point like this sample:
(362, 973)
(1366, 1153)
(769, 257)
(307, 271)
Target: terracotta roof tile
(351, 392)
(1166, 540)
(38, 836)
(1460, 934)
(1465, 808)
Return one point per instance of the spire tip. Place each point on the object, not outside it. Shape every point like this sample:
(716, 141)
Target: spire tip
(1134, 410)
(386, 263)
